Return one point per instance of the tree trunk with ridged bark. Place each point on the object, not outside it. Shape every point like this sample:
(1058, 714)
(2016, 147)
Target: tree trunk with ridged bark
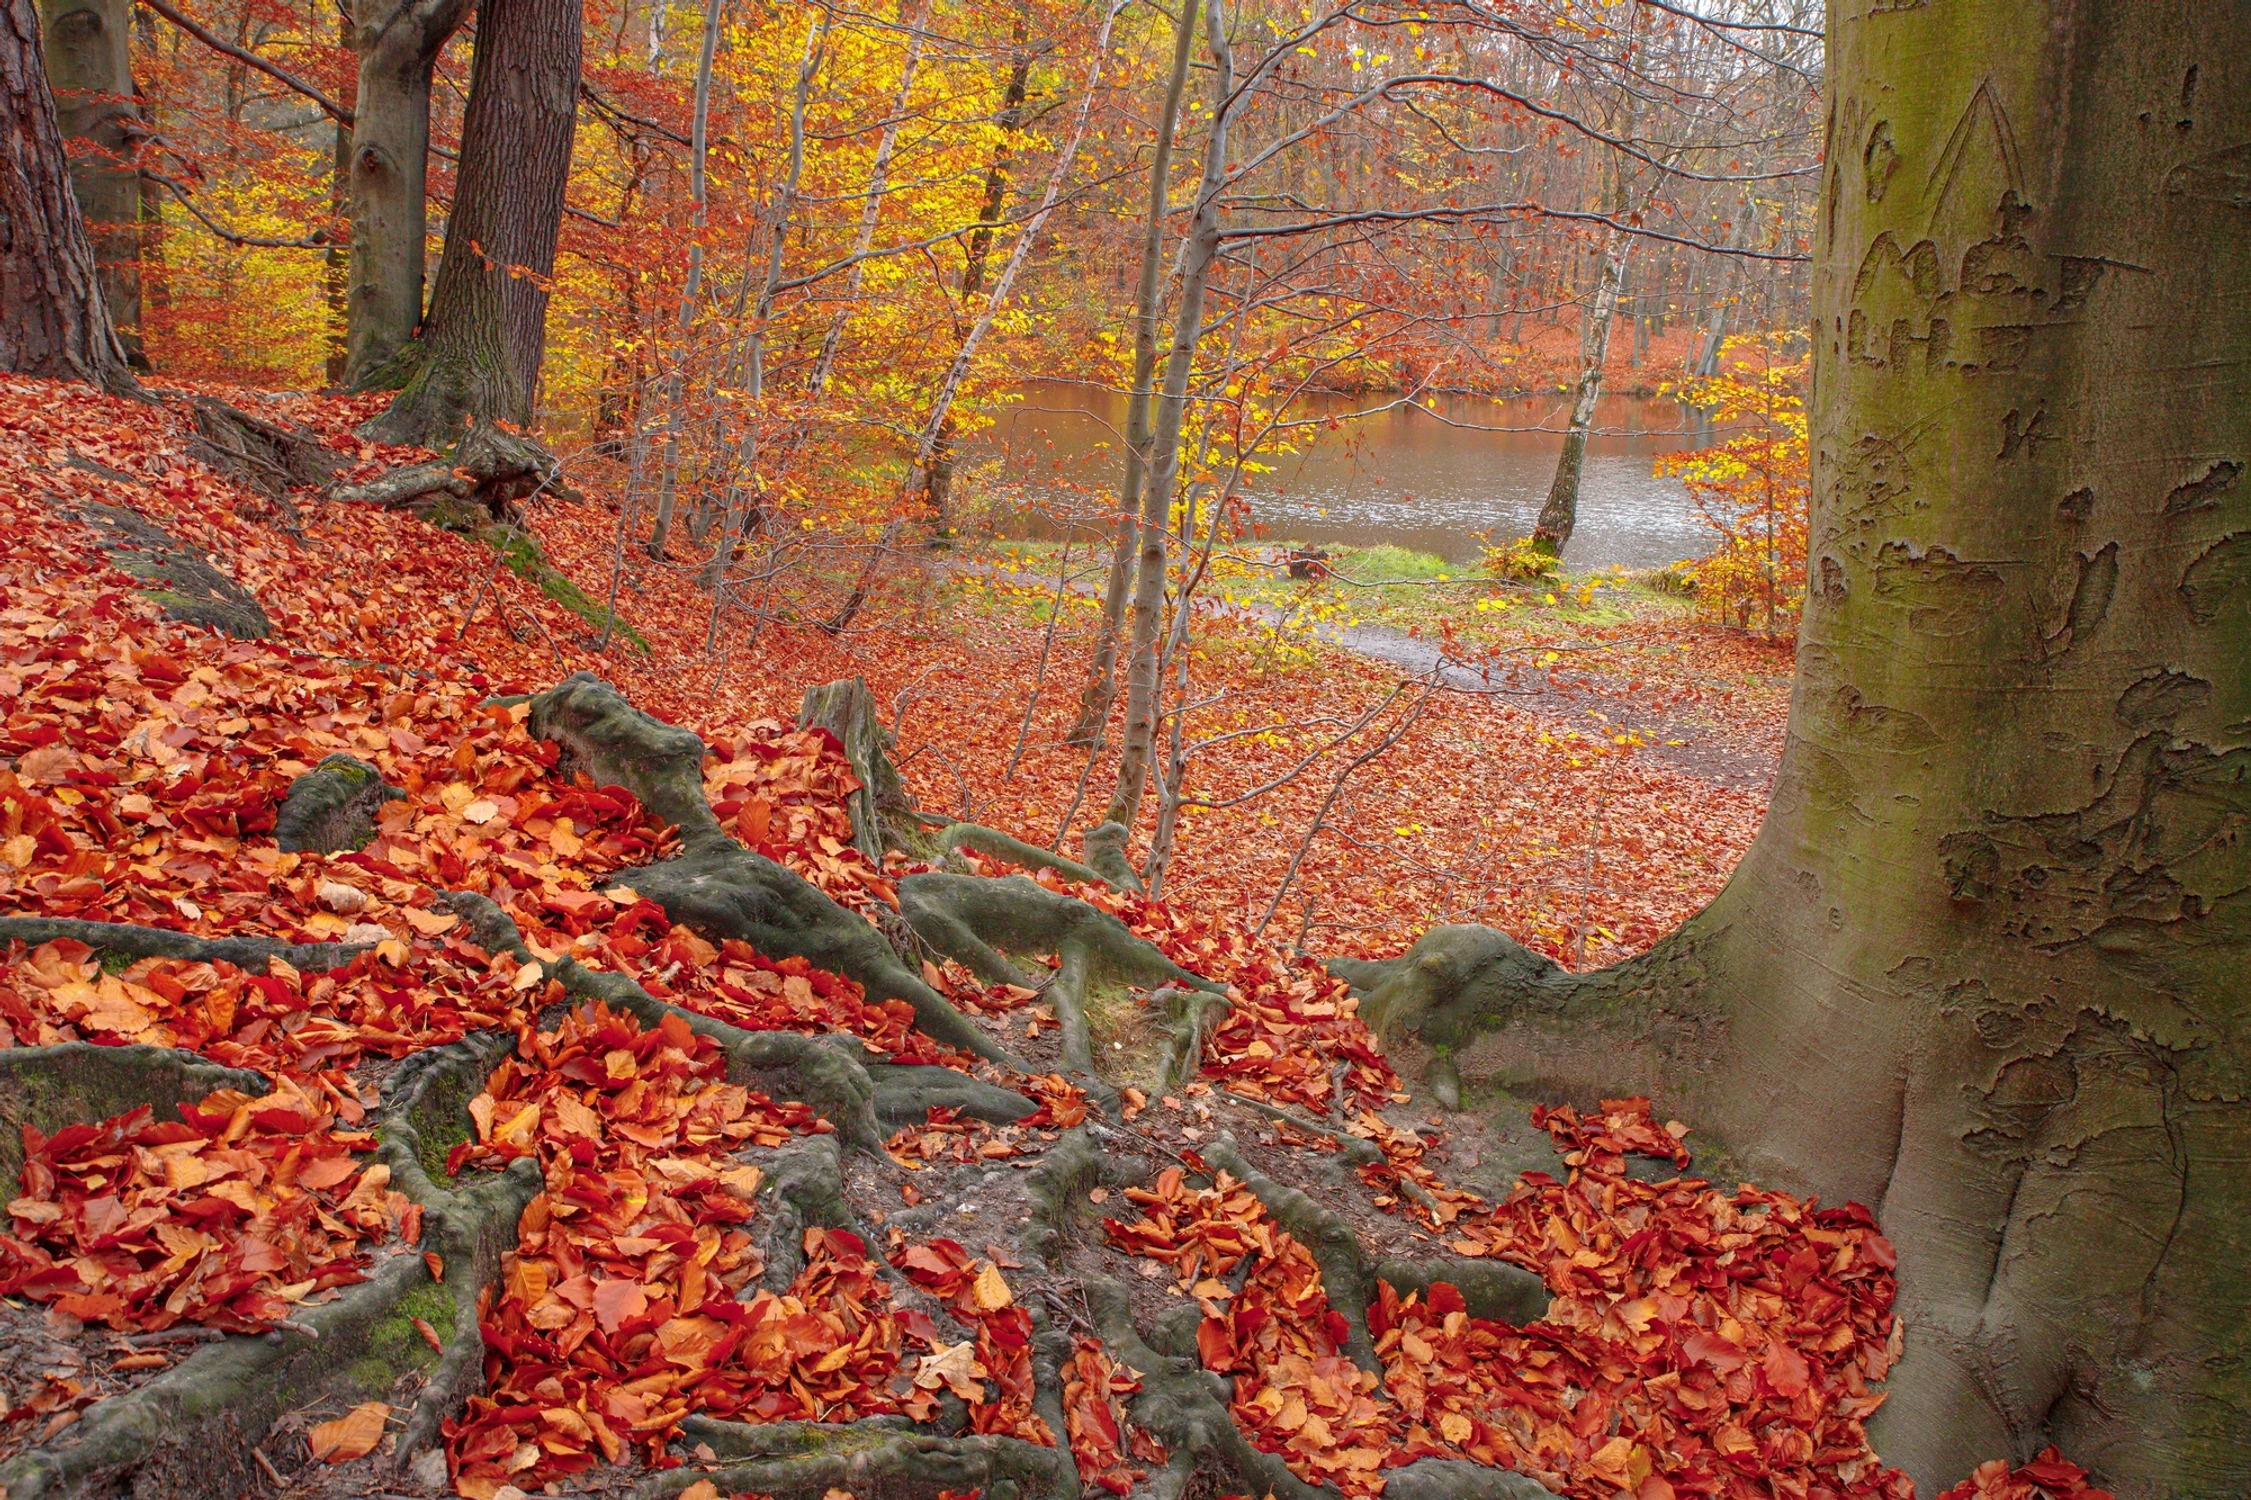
(52, 318)
(89, 68)
(1987, 968)
(478, 355)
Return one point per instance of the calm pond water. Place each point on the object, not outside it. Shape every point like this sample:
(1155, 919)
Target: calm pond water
(1432, 483)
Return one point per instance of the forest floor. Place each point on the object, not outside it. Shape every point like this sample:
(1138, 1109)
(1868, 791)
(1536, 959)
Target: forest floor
(738, 1258)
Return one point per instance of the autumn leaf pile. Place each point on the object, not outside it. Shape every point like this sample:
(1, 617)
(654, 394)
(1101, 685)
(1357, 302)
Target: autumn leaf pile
(618, 1311)
(227, 1217)
(1700, 1343)
(2050, 1476)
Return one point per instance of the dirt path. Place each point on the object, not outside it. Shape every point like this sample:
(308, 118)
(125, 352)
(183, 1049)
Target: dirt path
(1687, 744)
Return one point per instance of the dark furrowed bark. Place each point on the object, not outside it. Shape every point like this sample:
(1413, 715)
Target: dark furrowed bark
(89, 68)
(1983, 968)
(478, 355)
(53, 321)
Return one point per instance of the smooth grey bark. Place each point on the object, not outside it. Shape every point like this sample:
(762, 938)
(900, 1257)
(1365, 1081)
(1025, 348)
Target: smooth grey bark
(53, 321)
(1102, 677)
(1984, 968)
(89, 68)
(477, 357)
(1197, 255)
(388, 172)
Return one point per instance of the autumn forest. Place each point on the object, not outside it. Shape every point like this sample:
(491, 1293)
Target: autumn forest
(1014, 749)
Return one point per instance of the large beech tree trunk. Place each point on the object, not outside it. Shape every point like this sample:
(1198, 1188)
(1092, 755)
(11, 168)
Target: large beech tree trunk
(52, 318)
(89, 68)
(478, 355)
(1987, 968)
(388, 172)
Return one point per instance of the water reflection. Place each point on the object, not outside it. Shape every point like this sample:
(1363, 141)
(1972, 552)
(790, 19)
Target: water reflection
(1432, 482)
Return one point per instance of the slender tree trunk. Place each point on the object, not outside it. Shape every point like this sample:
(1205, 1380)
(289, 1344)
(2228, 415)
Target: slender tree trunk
(1704, 359)
(89, 68)
(879, 174)
(398, 46)
(1561, 512)
(940, 422)
(1102, 678)
(336, 263)
(1984, 970)
(53, 322)
(479, 352)
(744, 480)
(675, 417)
(1164, 456)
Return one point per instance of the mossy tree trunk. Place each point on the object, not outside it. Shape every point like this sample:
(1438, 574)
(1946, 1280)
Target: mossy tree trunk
(89, 67)
(387, 171)
(1985, 968)
(53, 320)
(478, 355)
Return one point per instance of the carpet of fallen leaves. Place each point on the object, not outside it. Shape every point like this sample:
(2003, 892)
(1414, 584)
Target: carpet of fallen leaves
(1702, 1342)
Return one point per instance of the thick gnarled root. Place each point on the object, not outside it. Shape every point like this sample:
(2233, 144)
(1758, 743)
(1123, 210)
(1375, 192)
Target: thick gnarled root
(979, 922)
(716, 885)
(1473, 1001)
(332, 807)
(190, 1431)
(247, 953)
(801, 1461)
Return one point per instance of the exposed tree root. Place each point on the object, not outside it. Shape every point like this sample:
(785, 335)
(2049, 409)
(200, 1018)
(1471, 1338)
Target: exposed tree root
(1491, 1289)
(716, 885)
(188, 1432)
(75, 1082)
(249, 953)
(1105, 851)
(1351, 1147)
(825, 1072)
(259, 455)
(974, 920)
(1031, 856)
(332, 807)
(184, 583)
(803, 1189)
(789, 1460)
(1190, 1015)
(883, 813)
(488, 467)
(1345, 1273)
(906, 1093)
(1473, 999)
